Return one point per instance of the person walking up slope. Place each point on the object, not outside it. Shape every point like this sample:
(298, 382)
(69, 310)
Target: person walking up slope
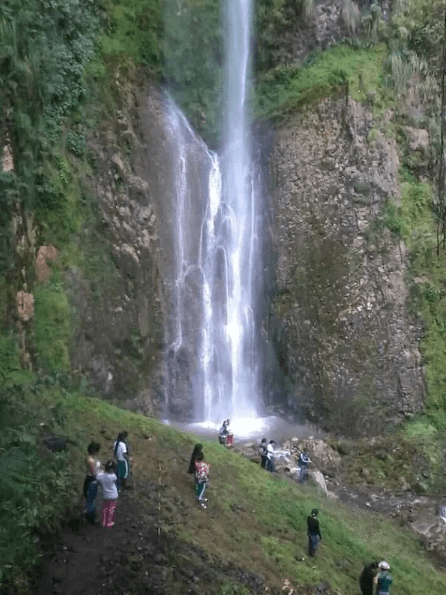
(201, 479)
(107, 480)
(314, 532)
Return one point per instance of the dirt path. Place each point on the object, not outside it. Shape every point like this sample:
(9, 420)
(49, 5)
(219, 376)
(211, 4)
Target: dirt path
(132, 558)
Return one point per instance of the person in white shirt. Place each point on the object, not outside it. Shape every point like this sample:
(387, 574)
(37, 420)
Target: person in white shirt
(107, 481)
(121, 454)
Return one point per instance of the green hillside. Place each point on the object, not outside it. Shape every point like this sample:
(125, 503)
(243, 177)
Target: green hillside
(254, 521)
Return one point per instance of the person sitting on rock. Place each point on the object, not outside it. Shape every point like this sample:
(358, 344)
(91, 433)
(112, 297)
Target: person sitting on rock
(383, 580)
(366, 580)
(224, 432)
(314, 532)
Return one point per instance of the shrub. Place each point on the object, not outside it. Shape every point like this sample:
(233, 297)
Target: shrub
(52, 330)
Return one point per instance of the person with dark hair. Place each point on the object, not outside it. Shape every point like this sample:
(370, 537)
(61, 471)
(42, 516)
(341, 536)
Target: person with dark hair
(108, 480)
(90, 488)
(201, 479)
(270, 460)
(367, 578)
(314, 532)
(121, 455)
(263, 449)
(198, 449)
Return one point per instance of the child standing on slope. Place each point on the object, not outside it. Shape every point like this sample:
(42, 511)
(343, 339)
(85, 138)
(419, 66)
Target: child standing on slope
(201, 478)
(107, 480)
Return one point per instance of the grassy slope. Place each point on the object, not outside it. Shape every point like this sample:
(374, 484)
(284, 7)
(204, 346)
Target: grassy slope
(254, 520)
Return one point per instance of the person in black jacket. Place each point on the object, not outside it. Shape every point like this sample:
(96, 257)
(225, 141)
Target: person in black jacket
(314, 532)
(198, 449)
(366, 579)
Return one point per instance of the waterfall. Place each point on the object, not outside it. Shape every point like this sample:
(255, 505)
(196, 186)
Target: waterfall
(212, 337)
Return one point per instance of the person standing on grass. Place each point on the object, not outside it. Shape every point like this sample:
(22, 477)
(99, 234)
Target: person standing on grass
(198, 450)
(367, 578)
(121, 455)
(90, 488)
(314, 532)
(383, 580)
(107, 480)
(263, 450)
(201, 479)
(270, 463)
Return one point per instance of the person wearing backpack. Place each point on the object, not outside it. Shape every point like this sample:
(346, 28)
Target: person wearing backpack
(201, 479)
(263, 450)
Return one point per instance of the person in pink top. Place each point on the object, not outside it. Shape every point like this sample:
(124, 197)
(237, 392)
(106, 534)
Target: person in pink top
(201, 479)
(107, 480)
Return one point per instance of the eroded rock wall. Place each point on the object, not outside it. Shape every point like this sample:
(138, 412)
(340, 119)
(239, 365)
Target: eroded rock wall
(340, 322)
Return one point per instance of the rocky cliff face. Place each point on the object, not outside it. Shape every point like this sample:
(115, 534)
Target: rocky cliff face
(120, 318)
(339, 321)
(126, 315)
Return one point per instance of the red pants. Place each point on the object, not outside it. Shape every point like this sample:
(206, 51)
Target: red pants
(108, 513)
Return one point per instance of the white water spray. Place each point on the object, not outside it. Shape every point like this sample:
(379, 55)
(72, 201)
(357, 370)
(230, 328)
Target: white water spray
(216, 277)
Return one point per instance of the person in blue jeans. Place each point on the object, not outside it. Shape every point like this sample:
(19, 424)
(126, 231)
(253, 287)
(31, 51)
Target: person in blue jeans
(304, 459)
(90, 484)
(314, 532)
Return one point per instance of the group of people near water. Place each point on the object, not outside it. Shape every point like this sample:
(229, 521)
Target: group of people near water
(110, 477)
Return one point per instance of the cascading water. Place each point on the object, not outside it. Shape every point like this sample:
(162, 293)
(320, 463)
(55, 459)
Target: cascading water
(213, 355)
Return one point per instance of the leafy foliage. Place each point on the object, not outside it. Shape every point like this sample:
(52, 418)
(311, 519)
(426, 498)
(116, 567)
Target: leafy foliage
(283, 89)
(52, 327)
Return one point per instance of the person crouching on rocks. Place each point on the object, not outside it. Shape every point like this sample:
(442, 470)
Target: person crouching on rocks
(107, 481)
(314, 532)
(201, 479)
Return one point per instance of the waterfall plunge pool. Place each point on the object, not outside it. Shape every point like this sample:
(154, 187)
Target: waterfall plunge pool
(256, 428)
